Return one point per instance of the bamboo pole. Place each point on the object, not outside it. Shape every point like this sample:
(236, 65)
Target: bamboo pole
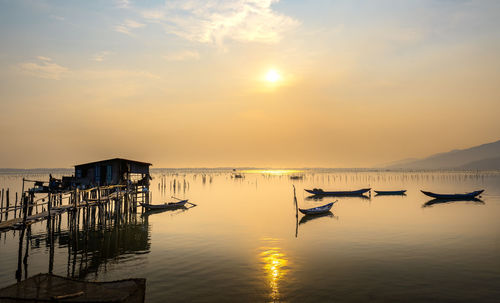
(15, 207)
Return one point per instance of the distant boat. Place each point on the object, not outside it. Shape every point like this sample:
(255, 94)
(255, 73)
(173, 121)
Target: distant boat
(317, 210)
(238, 176)
(320, 192)
(296, 177)
(170, 205)
(470, 195)
(390, 192)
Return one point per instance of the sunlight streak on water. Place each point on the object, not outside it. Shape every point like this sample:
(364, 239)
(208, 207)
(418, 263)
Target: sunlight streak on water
(272, 171)
(275, 265)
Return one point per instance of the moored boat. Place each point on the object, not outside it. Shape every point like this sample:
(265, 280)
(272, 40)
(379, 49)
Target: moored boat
(320, 192)
(390, 192)
(169, 205)
(317, 210)
(470, 195)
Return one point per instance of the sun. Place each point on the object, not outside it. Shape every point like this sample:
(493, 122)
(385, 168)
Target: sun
(272, 76)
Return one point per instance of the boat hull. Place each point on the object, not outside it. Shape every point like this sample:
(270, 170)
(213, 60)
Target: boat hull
(470, 195)
(338, 193)
(172, 205)
(390, 192)
(317, 210)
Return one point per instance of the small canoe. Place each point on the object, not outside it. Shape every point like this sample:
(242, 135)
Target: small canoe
(317, 210)
(320, 192)
(170, 205)
(390, 192)
(470, 195)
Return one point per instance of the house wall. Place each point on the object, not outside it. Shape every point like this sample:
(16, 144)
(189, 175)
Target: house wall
(107, 172)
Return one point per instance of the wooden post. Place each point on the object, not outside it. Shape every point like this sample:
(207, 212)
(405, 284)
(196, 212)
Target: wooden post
(15, 207)
(25, 208)
(49, 202)
(7, 205)
(296, 212)
(1, 207)
(75, 199)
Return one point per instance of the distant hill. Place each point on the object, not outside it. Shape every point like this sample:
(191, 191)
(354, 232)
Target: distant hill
(486, 156)
(493, 163)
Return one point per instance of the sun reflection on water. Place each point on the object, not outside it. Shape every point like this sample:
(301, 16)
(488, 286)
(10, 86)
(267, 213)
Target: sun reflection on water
(275, 265)
(272, 171)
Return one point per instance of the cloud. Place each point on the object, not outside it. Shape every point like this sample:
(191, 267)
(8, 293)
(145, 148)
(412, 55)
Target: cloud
(100, 56)
(58, 18)
(122, 3)
(215, 21)
(183, 56)
(128, 26)
(44, 67)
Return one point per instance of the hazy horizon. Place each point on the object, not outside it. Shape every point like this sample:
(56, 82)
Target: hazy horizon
(260, 83)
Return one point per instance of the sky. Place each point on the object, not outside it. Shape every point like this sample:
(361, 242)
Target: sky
(248, 83)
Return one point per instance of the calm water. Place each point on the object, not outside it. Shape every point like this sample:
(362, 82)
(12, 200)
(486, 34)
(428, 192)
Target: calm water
(242, 241)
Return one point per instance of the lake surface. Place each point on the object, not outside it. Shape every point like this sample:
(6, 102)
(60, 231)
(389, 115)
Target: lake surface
(243, 242)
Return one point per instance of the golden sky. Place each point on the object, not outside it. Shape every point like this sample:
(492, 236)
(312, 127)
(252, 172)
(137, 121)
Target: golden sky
(246, 83)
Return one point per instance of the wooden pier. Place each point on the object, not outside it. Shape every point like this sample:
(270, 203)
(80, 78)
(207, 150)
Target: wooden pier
(120, 198)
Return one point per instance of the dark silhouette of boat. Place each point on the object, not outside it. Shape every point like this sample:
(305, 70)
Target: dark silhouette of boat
(321, 197)
(308, 218)
(320, 192)
(317, 210)
(390, 192)
(470, 195)
(170, 205)
(442, 201)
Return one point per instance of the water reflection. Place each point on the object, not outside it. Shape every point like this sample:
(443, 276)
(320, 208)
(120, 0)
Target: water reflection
(308, 218)
(272, 171)
(90, 245)
(275, 265)
(443, 201)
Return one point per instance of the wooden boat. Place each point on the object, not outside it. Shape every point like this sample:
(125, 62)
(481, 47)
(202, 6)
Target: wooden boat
(169, 205)
(317, 210)
(470, 195)
(320, 192)
(390, 192)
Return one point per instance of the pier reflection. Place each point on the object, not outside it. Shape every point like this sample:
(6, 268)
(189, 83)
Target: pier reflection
(91, 244)
(275, 265)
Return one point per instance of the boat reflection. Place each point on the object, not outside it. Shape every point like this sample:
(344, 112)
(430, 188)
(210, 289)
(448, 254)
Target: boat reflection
(308, 218)
(443, 201)
(275, 265)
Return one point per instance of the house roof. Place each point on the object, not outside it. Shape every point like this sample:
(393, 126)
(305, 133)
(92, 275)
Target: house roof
(114, 160)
